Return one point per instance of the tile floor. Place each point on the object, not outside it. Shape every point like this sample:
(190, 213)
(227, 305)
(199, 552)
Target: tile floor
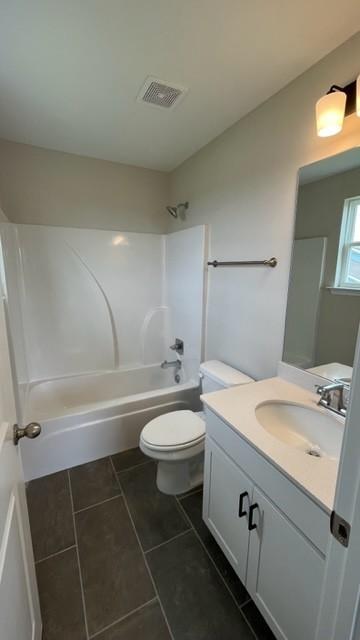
(118, 560)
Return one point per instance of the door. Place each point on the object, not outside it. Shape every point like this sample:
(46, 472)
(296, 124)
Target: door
(339, 617)
(285, 573)
(19, 603)
(227, 496)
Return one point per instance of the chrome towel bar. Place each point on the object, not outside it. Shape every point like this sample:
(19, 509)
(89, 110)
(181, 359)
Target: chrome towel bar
(244, 263)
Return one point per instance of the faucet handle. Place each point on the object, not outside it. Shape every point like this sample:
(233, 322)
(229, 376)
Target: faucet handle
(178, 346)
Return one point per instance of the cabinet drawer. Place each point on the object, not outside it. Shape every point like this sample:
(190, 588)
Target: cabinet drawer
(309, 517)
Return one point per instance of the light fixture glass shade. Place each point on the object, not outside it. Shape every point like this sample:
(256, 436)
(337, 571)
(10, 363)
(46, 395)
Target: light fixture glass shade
(358, 96)
(330, 111)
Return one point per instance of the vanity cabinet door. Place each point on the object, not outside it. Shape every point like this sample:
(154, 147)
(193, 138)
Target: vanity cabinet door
(285, 573)
(227, 498)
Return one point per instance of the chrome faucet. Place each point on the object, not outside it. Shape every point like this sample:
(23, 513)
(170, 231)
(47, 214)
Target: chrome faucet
(333, 396)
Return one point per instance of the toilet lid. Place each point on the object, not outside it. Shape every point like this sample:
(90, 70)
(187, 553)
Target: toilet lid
(173, 430)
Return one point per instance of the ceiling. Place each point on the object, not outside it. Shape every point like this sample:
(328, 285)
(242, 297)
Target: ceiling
(341, 162)
(70, 70)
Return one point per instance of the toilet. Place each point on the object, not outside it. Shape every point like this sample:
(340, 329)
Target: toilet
(176, 440)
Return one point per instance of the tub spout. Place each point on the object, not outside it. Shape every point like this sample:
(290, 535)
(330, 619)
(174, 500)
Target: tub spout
(173, 363)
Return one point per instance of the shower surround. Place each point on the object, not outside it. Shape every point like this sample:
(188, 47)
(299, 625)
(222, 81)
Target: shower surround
(91, 316)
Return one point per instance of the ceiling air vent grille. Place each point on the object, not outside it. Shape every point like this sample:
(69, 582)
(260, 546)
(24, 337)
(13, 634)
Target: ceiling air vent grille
(160, 94)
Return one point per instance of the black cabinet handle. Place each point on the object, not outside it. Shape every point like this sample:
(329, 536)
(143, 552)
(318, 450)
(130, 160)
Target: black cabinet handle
(252, 525)
(242, 511)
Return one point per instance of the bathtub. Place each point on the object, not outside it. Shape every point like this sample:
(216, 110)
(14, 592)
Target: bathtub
(90, 416)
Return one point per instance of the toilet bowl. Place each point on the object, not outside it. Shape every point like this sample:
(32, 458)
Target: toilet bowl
(176, 440)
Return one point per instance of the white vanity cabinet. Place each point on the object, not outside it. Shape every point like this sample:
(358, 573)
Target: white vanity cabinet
(229, 495)
(285, 573)
(274, 535)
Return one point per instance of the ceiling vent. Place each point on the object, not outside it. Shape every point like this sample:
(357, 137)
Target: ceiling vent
(161, 94)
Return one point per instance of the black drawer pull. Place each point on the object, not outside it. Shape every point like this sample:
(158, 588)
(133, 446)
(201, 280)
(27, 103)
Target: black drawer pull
(242, 511)
(252, 525)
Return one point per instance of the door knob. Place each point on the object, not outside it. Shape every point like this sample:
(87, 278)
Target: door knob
(32, 430)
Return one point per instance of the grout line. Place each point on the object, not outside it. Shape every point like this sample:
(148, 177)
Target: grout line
(190, 493)
(144, 557)
(178, 535)
(249, 625)
(57, 553)
(239, 607)
(135, 466)
(96, 504)
(78, 559)
(127, 615)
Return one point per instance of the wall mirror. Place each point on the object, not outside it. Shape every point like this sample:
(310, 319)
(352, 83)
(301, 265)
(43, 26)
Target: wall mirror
(323, 311)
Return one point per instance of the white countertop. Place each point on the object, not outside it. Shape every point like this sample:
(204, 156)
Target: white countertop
(333, 371)
(236, 406)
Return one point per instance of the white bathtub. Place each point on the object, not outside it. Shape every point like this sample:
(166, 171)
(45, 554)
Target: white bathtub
(90, 416)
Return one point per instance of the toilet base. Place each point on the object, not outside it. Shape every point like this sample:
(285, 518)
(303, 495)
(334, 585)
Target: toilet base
(173, 478)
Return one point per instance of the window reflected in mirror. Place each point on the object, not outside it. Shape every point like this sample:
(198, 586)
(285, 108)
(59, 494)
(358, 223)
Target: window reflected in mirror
(323, 311)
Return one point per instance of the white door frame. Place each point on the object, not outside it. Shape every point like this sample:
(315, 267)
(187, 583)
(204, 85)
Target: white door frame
(339, 616)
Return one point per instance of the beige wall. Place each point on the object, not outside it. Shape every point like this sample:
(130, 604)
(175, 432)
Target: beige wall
(3, 217)
(319, 214)
(39, 186)
(243, 184)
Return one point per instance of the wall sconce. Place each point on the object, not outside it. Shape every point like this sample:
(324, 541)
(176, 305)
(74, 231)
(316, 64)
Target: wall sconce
(338, 103)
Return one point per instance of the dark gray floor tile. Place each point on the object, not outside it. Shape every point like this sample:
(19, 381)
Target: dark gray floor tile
(257, 622)
(146, 624)
(157, 517)
(60, 597)
(130, 458)
(50, 514)
(192, 505)
(195, 599)
(198, 489)
(115, 577)
(93, 482)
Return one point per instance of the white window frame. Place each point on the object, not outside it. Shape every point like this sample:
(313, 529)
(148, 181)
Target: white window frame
(346, 244)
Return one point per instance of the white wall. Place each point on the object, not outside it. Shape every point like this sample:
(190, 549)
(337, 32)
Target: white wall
(243, 184)
(40, 186)
(85, 300)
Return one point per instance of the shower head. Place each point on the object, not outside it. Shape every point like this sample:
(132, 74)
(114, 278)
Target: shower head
(180, 208)
(173, 211)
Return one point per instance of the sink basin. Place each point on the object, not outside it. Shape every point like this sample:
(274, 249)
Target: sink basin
(309, 430)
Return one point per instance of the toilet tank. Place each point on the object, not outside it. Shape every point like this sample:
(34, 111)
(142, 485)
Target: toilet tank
(216, 375)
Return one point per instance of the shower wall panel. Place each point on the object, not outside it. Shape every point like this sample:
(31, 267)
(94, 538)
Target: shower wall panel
(89, 297)
(85, 300)
(185, 255)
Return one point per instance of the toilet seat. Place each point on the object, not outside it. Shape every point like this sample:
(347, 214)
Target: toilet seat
(174, 431)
